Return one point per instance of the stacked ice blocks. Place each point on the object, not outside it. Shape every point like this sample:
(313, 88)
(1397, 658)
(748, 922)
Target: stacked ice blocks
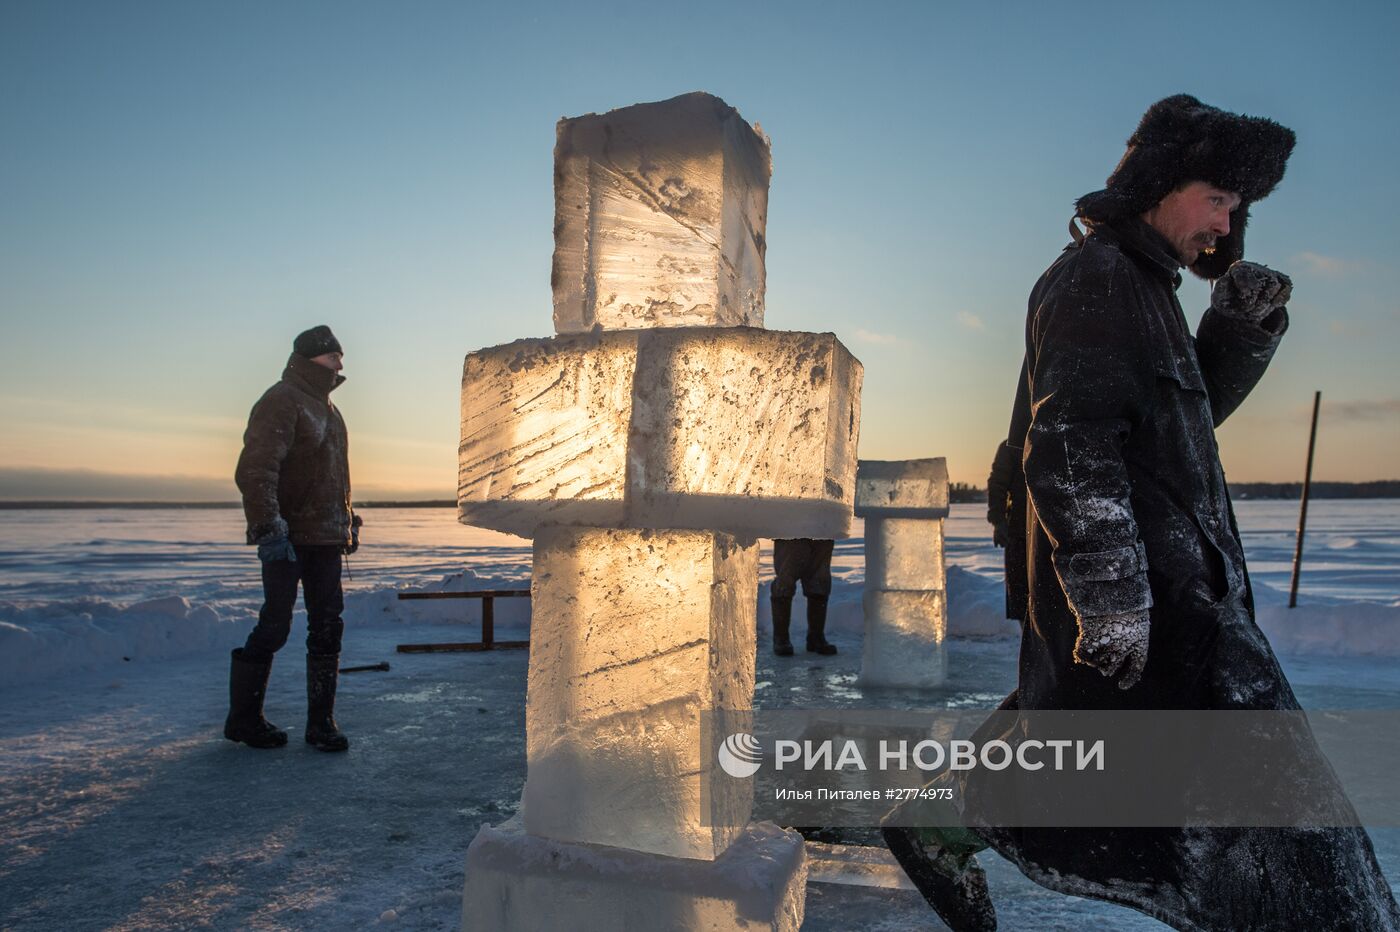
(645, 447)
(904, 503)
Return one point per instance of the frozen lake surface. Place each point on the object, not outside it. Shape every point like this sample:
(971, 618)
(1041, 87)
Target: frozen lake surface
(121, 806)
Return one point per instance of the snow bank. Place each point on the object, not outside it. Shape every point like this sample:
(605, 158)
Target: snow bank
(40, 641)
(1328, 627)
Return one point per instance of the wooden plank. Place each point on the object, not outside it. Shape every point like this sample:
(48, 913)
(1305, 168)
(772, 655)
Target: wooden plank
(459, 647)
(477, 594)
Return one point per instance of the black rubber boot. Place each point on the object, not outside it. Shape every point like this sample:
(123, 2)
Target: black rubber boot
(782, 622)
(247, 684)
(954, 885)
(816, 627)
(322, 671)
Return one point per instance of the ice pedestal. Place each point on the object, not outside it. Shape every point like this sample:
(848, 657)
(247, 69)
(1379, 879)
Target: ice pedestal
(904, 635)
(659, 217)
(522, 882)
(636, 634)
(747, 431)
(905, 601)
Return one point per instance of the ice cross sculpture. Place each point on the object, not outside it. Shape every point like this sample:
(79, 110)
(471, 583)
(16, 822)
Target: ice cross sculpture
(645, 447)
(903, 503)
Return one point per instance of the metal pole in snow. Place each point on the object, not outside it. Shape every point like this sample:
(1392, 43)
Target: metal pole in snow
(1303, 512)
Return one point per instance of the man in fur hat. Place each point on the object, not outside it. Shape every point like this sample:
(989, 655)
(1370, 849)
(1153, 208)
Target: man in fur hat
(294, 474)
(1135, 592)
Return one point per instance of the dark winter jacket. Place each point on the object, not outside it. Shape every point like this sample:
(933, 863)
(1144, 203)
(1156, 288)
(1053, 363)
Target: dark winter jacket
(1129, 512)
(295, 466)
(1006, 507)
(1128, 500)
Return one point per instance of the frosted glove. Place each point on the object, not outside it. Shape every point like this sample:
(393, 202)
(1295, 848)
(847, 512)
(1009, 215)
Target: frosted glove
(356, 522)
(1115, 645)
(1250, 291)
(277, 550)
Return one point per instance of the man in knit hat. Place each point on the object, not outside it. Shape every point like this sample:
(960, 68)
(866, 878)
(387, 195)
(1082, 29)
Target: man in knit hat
(294, 474)
(1135, 594)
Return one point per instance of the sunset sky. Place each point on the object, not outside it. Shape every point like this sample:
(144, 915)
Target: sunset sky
(186, 185)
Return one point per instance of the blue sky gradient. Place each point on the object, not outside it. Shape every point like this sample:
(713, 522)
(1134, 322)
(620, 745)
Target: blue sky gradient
(187, 184)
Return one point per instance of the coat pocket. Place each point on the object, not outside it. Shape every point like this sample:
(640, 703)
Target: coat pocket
(1223, 573)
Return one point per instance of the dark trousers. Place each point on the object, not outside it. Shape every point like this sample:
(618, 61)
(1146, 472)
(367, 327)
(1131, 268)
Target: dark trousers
(317, 569)
(802, 559)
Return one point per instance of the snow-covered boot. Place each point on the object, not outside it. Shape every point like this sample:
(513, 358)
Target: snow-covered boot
(951, 880)
(322, 671)
(247, 684)
(816, 627)
(782, 621)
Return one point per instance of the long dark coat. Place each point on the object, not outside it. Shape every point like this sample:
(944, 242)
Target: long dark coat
(1128, 510)
(295, 465)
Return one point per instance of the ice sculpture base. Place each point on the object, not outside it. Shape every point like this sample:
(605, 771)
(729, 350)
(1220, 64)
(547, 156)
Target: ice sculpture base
(523, 882)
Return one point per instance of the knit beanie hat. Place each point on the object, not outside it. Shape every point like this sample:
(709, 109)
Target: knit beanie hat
(316, 342)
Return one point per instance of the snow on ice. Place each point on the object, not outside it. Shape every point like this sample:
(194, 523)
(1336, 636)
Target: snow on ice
(122, 807)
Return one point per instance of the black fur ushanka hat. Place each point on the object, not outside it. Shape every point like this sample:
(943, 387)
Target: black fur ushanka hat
(1181, 140)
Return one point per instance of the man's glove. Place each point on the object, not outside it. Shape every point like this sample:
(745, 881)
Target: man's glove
(356, 522)
(277, 549)
(1115, 645)
(1250, 291)
(999, 534)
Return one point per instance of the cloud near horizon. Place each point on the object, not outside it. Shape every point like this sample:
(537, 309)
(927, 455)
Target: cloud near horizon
(1327, 266)
(1374, 409)
(870, 336)
(971, 321)
(18, 483)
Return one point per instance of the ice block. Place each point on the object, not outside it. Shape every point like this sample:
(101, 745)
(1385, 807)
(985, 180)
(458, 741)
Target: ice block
(748, 431)
(902, 488)
(635, 633)
(517, 881)
(904, 553)
(659, 217)
(904, 634)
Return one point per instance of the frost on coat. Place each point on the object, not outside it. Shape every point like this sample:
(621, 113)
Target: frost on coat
(1129, 511)
(294, 471)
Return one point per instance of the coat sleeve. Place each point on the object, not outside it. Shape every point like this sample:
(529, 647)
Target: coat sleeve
(271, 430)
(1091, 385)
(1233, 354)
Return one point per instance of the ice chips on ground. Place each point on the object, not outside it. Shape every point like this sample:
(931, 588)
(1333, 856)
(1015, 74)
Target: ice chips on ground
(902, 488)
(636, 634)
(659, 217)
(519, 881)
(904, 553)
(748, 431)
(904, 635)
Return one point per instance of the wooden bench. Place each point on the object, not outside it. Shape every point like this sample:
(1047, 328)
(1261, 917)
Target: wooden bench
(488, 621)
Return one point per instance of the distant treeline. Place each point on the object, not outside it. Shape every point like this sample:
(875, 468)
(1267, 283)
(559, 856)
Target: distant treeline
(1384, 488)
(957, 492)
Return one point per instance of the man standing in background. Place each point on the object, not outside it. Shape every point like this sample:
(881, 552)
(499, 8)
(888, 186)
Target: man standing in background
(294, 475)
(809, 561)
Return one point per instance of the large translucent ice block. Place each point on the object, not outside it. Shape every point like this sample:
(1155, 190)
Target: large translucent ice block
(634, 635)
(659, 217)
(517, 881)
(748, 431)
(904, 635)
(904, 553)
(902, 488)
